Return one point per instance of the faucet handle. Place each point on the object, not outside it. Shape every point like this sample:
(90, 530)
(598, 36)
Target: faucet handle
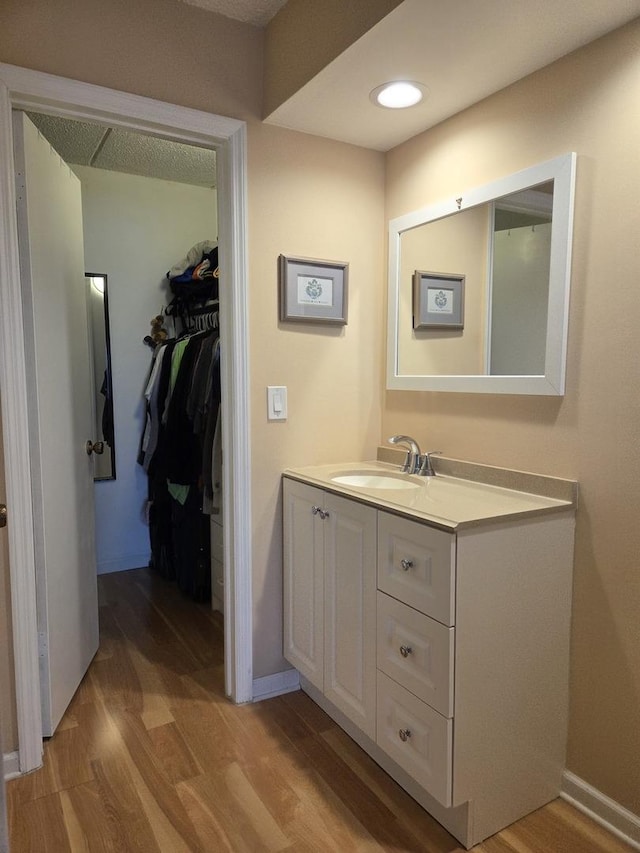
(426, 468)
(408, 459)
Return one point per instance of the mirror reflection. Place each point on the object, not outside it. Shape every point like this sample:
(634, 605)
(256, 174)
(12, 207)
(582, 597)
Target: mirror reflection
(519, 278)
(503, 250)
(509, 245)
(99, 344)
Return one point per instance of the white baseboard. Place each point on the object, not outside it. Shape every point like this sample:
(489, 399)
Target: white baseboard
(275, 685)
(123, 564)
(605, 811)
(10, 765)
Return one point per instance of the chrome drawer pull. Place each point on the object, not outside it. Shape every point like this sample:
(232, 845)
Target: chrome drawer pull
(405, 651)
(406, 564)
(404, 735)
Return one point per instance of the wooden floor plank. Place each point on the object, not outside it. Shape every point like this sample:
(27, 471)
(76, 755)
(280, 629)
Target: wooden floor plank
(119, 793)
(173, 754)
(211, 791)
(90, 826)
(312, 714)
(424, 828)
(206, 822)
(159, 797)
(152, 758)
(39, 826)
(323, 820)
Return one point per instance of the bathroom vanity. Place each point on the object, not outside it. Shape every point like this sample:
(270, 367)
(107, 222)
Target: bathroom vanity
(430, 618)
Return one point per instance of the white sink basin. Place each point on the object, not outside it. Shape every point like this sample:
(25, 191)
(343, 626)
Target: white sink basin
(375, 480)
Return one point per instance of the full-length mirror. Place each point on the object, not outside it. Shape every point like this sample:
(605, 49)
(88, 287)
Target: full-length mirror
(98, 316)
(479, 287)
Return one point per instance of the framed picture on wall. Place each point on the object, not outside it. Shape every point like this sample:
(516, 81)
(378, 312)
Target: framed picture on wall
(312, 291)
(438, 300)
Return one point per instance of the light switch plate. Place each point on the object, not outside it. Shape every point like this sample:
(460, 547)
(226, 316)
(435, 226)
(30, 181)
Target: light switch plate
(277, 402)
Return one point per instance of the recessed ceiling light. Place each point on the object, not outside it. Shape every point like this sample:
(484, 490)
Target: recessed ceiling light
(398, 95)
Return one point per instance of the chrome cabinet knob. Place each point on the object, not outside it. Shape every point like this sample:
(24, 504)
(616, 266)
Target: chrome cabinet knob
(405, 651)
(406, 564)
(94, 447)
(315, 510)
(404, 735)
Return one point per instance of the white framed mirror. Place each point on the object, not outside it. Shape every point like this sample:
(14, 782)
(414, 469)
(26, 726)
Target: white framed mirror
(510, 242)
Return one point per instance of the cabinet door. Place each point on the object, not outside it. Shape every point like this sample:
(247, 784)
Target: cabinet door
(303, 531)
(350, 610)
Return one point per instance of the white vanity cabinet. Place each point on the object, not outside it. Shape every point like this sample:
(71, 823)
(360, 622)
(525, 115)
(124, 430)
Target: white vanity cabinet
(443, 650)
(330, 597)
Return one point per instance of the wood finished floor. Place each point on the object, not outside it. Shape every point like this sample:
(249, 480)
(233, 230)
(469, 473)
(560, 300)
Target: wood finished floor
(150, 756)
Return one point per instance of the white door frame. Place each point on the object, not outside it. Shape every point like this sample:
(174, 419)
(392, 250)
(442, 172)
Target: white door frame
(32, 90)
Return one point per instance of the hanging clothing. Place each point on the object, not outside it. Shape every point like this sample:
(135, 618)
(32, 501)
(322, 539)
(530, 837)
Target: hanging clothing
(152, 421)
(180, 447)
(177, 451)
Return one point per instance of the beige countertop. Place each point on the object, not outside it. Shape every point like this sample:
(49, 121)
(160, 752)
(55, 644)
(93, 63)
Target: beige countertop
(448, 502)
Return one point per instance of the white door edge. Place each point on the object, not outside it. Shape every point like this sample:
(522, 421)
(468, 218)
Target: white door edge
(26, 89)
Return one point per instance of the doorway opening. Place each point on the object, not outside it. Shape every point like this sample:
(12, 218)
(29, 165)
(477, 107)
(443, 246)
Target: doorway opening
(27, 90)
(146, 203)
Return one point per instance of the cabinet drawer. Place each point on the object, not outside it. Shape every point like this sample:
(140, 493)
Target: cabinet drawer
(416, 564)
(416, 737)
(417, 652)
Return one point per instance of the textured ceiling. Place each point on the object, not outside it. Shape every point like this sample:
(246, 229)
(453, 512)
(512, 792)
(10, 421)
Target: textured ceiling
(256, 12)
(83, 144)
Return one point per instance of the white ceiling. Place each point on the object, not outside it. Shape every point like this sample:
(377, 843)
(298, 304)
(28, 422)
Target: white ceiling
(462, 50)
(256, 12)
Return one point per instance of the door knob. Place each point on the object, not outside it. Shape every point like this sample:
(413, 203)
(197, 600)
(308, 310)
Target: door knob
(3, 515)
(94, 447)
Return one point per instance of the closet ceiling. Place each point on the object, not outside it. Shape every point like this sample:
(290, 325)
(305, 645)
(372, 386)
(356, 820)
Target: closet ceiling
(84, 144)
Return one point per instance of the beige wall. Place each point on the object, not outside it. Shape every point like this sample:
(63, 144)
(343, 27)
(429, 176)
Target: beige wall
(588, 103)
(306, 196)
(312, 198)
(305, 36)
(162, 49)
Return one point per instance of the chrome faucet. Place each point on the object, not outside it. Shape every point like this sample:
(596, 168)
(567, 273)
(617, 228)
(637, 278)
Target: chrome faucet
(415, 461)
(413, 458)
